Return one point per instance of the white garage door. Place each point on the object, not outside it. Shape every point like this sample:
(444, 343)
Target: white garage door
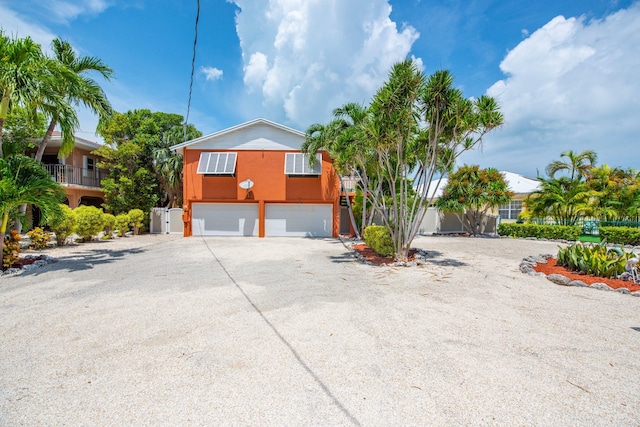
(224, 219)
(304, 220)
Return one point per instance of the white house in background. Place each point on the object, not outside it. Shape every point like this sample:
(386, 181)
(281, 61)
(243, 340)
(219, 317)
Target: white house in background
(439, 222)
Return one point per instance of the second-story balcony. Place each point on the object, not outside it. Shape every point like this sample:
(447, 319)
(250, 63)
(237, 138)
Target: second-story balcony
(73, 175)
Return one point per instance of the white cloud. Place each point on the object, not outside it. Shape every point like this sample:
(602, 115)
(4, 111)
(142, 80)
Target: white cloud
(572, 85)
(211, 73)
(306, 57)
(19, 26)
(65, 10)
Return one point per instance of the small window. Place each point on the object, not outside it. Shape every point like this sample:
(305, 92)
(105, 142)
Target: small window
(298, 164)
(510, 211)
(217, 163)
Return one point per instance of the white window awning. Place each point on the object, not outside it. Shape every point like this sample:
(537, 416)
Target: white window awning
(298, 164)
(217, 163)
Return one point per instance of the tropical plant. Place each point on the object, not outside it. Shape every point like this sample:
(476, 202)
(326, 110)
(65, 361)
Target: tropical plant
(74, 87)
(378, 238)
(64, 225)
(39, 238)
(471, 192)
(136, 218)
(419, 126)
(122, 224)
(577, 165)
(89, 222)
(11, 249)
(413, 130)
(596, 259)
(24, 180)
(343, 139)
(31, 80)
(560, 199)
(143, 172)
(109, 225)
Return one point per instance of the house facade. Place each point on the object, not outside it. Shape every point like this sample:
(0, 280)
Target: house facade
(78, 173)
(253, 180)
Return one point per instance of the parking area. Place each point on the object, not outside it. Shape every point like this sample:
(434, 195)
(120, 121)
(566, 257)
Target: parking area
(164, 330)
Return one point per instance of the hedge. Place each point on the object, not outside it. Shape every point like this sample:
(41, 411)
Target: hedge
(378, 238)
(621, 235)
(553, 232)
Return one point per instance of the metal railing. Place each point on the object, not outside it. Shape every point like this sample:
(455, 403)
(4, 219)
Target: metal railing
(73, 175)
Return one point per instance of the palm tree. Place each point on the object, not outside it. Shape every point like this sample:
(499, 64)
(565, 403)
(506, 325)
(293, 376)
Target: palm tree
(559, 198)
(578, 165)
(342, 138)
(168, 164)
(22, 67)
(23, 180)
(75, 87)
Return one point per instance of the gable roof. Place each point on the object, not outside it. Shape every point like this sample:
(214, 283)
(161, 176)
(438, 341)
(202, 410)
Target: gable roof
(257, 134)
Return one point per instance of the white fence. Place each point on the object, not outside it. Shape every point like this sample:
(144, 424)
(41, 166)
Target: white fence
(166, 221)
(436, 222)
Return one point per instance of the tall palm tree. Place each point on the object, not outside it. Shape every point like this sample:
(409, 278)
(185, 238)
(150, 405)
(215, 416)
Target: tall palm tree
(23, 180)
(75, 87)
(341, 138)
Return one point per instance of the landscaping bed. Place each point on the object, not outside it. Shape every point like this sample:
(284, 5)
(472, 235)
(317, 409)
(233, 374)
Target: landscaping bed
(551, 268)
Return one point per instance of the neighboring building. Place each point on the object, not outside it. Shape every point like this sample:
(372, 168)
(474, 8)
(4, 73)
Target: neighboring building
(78, 173)
(521, 187)
(439, 222)
(253, 180)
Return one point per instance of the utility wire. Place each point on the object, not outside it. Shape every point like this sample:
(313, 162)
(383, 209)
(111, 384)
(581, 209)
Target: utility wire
(193, 69)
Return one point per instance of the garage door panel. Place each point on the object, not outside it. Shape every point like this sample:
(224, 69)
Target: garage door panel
(302, 220)
(224, 219)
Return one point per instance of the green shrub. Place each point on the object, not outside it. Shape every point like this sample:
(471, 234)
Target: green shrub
(39, 238)
(122, 224)
(594, 259)
(109, 225)
(11, 250)
(378, 238)
(621, 235)
(136, 218)
(90, 222)
(64, 225)
(554, 232)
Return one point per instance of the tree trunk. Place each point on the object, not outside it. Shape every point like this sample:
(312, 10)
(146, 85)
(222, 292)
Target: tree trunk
(4, 110)
(3, 231)
(45, 140)
(352, 218)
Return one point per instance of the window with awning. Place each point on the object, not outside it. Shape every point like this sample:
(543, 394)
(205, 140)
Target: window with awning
(217, 163)
(298, 164)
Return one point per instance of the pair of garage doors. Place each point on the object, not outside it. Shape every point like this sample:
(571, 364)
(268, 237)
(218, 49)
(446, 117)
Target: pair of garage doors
(281, 219)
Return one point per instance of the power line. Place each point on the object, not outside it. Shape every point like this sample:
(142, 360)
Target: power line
(193, 69)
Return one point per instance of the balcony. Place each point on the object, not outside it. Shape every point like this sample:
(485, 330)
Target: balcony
(76, 176)
(349, 183)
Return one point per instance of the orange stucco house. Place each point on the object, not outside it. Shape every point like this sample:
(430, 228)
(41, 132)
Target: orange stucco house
(78, 173)
(253, 180)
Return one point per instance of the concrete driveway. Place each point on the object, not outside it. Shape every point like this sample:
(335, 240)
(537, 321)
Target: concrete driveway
(159, 330)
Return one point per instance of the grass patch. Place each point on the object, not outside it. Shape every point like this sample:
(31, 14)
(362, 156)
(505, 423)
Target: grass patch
(589, 238)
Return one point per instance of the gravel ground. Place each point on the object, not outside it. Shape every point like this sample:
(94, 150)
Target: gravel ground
(163, 330)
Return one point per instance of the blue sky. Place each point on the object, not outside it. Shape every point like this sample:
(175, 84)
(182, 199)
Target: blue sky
(564, 72)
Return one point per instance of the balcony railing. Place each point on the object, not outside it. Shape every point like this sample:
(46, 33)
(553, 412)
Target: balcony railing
(349, 183)
(73, 175)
